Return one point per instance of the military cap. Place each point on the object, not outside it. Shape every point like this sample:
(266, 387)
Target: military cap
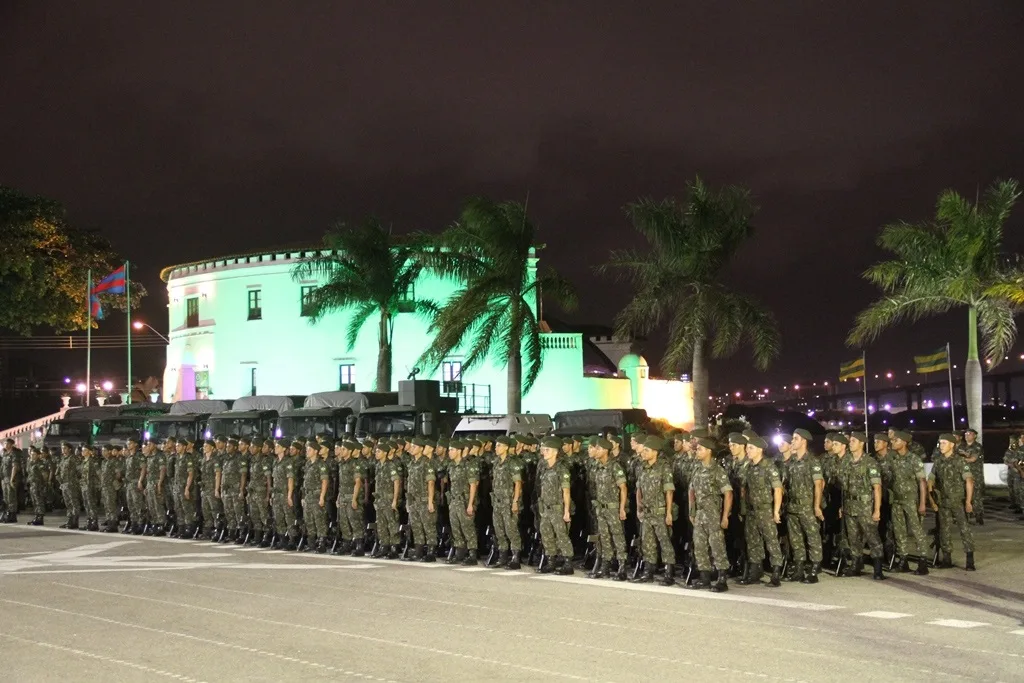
(505, 440)
(948, 437)
(655, 443)
(681, 435)
(884, 438)
(130, 439)
(969, 430)
(532, 440)
(601, 442)
(522, 438)
(220, 438)
(615, 439)
(351, 445)
(707, 443)
(749, 434)
(419, 441)
(736, 437)
(327, 442)
(257, 441)
(639, 436)
(757, 442)
(840, 438)
(399, 442)
(246, 440)
(382, 445)
(552, 442)
(210, 442)
(856, 435)
(831, 436)
(802, 433)
(902, 435)
(700, 433)
(443, 442)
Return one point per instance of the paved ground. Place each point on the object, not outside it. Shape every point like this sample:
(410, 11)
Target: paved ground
(89, 607)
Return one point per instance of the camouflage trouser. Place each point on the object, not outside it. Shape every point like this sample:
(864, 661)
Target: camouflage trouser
(387, 524)
(861, 530)
(761, 532)
(463, 526)
(10, 492)
(314, 516)
(1016, 487)
(654, 534)
(170, 496)
(707, 533)
(90, 501)
(155, 503)
(802, 524)
(351, 523)
(905, 520)
(422, 522)
(72, 499)
(136, 503)
(611, 541)
(234, 506)
(284, 514)
(554, 532)
(186, 510)
(108, 494)
(259, 509)
(38, 492)
(978, 500)
(211, 507)
(505, 523)
(951, 512)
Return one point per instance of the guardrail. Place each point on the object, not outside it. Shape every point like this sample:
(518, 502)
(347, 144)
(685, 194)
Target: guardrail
(561, 340)
(24, 434)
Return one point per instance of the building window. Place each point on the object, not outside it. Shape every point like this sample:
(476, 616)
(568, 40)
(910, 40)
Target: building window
(451, 376)
(255, 307)
(252, 381)
(407, 300)
(346, 377)
(192, 311)
(306, 299)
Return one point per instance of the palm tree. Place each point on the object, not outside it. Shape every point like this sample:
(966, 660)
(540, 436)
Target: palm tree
(364, 268)
(489, 249)
(676, 281)
(955, 261)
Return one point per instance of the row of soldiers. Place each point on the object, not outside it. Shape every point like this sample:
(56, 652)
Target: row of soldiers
(277, 493)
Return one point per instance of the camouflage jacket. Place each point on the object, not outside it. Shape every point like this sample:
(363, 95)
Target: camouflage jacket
(948, 476)
(89, 472)
(208, 472)
(460, 476)
(504, 476)
(607, 478)
(314, 473)
(973, 450)
(232, 467)
(857, 479)
(386, 473)
(283, 470)
(109, 472)
(68, 468)
(708, 485)
(760, 481)
(153, 465)
(133, 464)
(420, 472)
(261, 468)
(38, 471)
(799, 476)
(348, 471)
(653, 482)
(903, 473)
(552, 481)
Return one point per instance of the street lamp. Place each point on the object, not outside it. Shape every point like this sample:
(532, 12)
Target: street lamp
(138, 324)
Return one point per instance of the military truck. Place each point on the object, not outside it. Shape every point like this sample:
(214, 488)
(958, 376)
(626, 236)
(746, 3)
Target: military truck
(331, 413)
(130, 421)
(76, 426)
(420, 411)
(588, 422)
(249, 416)
(535, 424)
(185, 420)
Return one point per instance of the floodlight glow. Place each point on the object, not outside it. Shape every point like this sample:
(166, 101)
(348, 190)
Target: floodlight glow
(108, 385)
(80, 387)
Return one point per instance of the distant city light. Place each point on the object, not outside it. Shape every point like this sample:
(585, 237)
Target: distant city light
(887, 407)
(888, 375)
(738, 394)
(80, 387)
(67, 380)
(945, 404)
(796, 387)
(766, 391)
(137, 325)
(825, 383)
(108, 385)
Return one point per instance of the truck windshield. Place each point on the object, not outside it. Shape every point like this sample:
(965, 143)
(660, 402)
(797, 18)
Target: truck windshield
(82, 428)
(388, 423)
(120, 427)
(291, 427)
(222, 426)
(159, 431)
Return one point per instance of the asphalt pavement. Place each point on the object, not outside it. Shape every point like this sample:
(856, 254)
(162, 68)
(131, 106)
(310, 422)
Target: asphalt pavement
(87, 606)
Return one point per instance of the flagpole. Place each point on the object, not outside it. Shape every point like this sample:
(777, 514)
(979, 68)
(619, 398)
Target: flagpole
(88, 337)
(864, 362)
(949, 370)
(128, 308)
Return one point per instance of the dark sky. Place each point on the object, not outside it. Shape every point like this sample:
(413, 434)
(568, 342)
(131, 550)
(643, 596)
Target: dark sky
(186, 134)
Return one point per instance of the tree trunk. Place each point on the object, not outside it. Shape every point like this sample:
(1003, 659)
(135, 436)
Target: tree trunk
(700, 386)
(384, 354)
(972, 373)
(514, 397)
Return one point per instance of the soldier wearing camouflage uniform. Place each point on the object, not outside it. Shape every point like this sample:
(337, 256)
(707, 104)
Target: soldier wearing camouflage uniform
(89, 484)
(316, 481)
(804, 483)
(762, 489)
(971, 451)
(185, 478)
(10, 475)
(609, 505)
(861, 483)
(231, 480)
(655, 492)
(156, 475)
(735, 465)
(710, 504)
(420, 500)
(351, 479)
(463, 480)
(38, 472)
(555, 508)
(67, 477)
(951, 489)
(109, 471)
(1013, 479)
(261, 467)
(211, 506)
(506, 495)
(908, 496)
(135, 486)
(283, 496)
(386, 495)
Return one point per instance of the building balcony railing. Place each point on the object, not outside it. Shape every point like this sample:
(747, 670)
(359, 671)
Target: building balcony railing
(561, 340)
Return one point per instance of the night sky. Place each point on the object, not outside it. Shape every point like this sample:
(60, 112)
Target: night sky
(188, 134)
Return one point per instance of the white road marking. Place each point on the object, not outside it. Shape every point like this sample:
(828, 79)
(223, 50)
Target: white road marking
(705, 595)
(1018, 632)
(472, 569)
(884, 615)
(957, 623)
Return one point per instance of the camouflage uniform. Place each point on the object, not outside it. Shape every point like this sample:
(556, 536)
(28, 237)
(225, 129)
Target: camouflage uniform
(653, 481)
(261, 468)
(109, 471)
(387, 473)
(9, 468)
(904, 473)
(186, 508)
(232, 469)
(422, 521)
(460, 476)
(89, 484)
(948, 477)
(155, 500)
(284, 514)
(136, 499)
(800, 476)
(1013, 478)
(708, 484)
(504, 475)
(351, 522)
(38, 473)
(760, 531)
(610, 537)
(554, 532)
(975, 450)
(857, 479)
(313, 514)
(67, 475)
(170, 501)
(211, 505)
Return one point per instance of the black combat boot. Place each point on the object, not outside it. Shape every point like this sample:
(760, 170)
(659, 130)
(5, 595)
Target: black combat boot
(321, 547)
(127, 527)
(922, 567)
(413, 555)
(36, 521)
(291, 544)
(358, 547)
(753, 574)
(66, 524)
(392, 553)
(471, 559)
(648, 574)
(969, 566)
(701, 582)
(342, 547)
(276, 543)
(595, 568)
(721, 586)
(513, 561)
(902, 565)
(502, 559)
(620, 572)
(812, 573)
(92, 525)
(267, 539)
(776, 579)
(429, 553)
(241, 536)
(564, 567)
(854, 568)
(159, 531)
(877, 575)
(600, 571)
(798, 572)
(458, 556)
(546, 565)
(946, 562)
(670, 575)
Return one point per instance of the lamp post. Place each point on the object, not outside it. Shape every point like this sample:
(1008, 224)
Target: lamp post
(138, 325)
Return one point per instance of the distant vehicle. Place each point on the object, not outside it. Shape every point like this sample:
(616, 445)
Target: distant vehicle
(185, 420)
(502, 425)
(96, 424)
(421, 411)
(249, 416)
(130, 421)
(589, 422)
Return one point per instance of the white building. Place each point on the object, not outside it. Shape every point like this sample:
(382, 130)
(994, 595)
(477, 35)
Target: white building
(237, 328)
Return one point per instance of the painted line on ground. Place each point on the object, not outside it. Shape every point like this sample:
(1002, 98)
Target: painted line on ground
(884, 615)
(957, 623)
(472, 569)
(1018, 632)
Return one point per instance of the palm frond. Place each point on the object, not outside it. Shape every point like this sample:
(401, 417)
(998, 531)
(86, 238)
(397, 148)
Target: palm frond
(356, 322)
(892, 310)
(997, 327)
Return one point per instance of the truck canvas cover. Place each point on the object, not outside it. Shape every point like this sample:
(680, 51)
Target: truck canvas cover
(198, 407)
(261, 403)
(592, 420)
(337, 399)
